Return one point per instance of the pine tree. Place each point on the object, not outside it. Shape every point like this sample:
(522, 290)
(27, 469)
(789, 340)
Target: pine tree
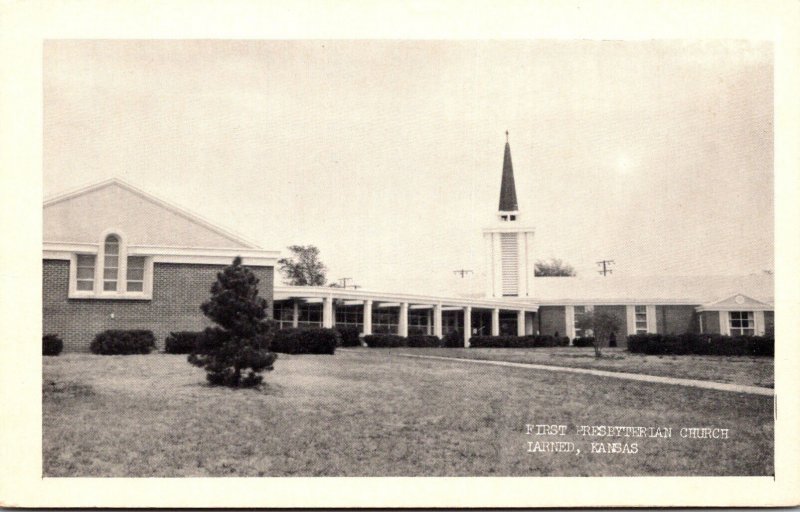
(241, 340)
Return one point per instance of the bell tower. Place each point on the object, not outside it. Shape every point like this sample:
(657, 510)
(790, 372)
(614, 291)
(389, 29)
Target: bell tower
(508, 244)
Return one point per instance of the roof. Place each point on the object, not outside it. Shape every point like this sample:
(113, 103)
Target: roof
(654, 289)
(148, 198)
(508, 191)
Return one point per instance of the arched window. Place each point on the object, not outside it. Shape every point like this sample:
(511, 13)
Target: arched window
(111, 263)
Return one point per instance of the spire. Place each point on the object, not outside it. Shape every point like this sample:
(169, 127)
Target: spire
(508, 192)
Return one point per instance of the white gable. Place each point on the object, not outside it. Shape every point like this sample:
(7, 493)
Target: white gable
(83, 216)
(736, 303)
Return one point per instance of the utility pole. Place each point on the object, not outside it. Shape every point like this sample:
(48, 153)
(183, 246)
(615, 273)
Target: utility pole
(462, 272)
(606, 264)
(344, 280)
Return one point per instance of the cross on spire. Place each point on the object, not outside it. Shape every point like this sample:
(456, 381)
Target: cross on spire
(506, 136)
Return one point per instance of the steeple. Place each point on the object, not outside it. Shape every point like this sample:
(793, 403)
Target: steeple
(508, 192)
(509, 244)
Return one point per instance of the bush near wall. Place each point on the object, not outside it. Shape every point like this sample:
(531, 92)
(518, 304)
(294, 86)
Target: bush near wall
(51, 345)
(349, 336)
(583, 341)
(453, 339)
(701, 344)
(421, 340)
(123, 342)
(305, 341)
(181, 342)
(385, 341)
(534, 341)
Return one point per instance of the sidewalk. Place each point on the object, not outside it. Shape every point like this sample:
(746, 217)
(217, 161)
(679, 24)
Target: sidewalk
(703, 384)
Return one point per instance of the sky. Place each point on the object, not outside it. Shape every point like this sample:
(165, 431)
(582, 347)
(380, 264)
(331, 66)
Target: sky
(387, 155)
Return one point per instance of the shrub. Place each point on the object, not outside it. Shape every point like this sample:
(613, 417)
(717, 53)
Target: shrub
(123, 342)
(453, 339)
(51, 345)
(701, 344)
(530, 341)
(385, 341)
(181, 342)
(305, 341)
(583, 341)
(242, 340)
(421, 340)
(563, 341)
(349, 335)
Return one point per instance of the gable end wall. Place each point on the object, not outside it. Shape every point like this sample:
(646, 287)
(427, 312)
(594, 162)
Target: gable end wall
(178, 291)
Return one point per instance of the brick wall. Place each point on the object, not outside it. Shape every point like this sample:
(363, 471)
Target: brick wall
(677, 320)
(552, 319)
(178, 291)
(769, 322)
(710, 322)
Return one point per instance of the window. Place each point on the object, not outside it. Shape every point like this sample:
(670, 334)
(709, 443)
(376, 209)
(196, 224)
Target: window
(350, 316)
(641, 319)
(135, 278)
(385, 320)
(741, 323)
(419, 321)
(110, 272)
(85, 272)
(111, 263)
(580, 313)
(309, 314)
(513, 217)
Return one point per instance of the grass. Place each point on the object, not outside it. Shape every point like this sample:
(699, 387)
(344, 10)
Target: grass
(744, 370)
(371, 413)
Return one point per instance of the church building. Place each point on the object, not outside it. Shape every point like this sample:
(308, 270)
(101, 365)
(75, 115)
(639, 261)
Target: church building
(117, 257)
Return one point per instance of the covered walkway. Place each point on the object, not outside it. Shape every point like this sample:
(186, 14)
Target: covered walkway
(403, 314)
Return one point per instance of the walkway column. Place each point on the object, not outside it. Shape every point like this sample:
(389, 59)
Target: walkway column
(295, 313)
(327, 312)
(495, 322)
(428, 315)
(437, 320)
(367, 317)
(402, 323)
(467, 325)
(521, 323)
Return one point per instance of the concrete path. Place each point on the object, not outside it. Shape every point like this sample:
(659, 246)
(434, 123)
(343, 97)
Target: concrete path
(704, 384)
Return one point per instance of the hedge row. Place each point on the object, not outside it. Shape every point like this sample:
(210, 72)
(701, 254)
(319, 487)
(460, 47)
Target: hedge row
(182, 342)
(51, 345)
(384, 340)
(349, 336)
(422, 340)
(701, 344)
(305, 341)
(587, 341)
(118, 342)
(532, 341)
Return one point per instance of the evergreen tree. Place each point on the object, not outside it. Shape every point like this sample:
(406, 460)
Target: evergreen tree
(241, 340)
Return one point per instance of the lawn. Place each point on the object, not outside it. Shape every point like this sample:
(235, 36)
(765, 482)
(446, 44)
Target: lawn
(372, 413)
(744, 370)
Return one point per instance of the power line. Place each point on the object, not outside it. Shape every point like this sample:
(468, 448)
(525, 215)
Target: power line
(606, 264)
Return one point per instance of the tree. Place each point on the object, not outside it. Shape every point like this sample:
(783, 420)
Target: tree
(241, 340)
(602, 324)
(304, 267)
(553, 268)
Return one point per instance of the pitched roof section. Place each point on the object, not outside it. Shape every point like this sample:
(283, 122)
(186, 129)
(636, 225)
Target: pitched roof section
(651, 289)
(508, 191)
(81, 215)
